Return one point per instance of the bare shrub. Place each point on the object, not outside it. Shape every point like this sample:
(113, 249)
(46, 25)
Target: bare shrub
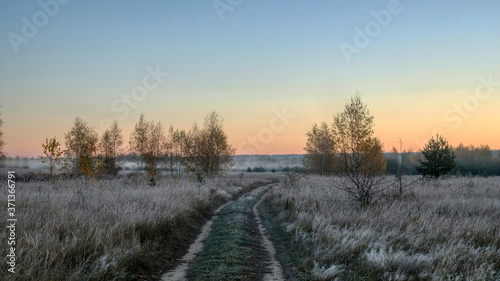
(292, 178)
(402, 180)
(452, 232)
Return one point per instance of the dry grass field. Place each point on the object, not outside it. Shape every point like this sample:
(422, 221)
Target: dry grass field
(109, 229)
(440, 230)
(125, 229)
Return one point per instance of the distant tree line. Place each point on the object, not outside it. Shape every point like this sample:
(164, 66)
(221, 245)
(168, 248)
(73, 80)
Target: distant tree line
(469, 160)
(475, 160)
(260, 169)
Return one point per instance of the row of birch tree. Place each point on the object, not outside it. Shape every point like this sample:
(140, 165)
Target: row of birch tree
(203, 150)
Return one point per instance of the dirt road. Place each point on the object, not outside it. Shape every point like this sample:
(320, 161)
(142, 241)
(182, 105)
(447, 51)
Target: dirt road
(232, 244)
(179, 273)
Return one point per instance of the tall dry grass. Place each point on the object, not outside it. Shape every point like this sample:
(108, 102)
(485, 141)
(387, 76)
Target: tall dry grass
(107, 229)
(440, 230)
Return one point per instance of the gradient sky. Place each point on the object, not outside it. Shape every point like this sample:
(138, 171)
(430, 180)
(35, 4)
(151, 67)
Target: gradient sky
(421, 72)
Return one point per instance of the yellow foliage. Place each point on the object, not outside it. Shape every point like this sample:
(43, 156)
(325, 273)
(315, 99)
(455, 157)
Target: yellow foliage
(53, 155)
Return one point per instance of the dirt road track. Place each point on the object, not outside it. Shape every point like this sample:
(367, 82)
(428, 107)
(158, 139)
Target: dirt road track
(276, 270)
(273, 270)
(179, 273)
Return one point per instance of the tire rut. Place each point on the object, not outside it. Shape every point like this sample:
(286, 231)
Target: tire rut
(276, 270)
(273, 270)
(179, 273)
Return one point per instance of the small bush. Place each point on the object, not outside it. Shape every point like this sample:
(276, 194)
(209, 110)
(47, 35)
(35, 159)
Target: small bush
(259, 169)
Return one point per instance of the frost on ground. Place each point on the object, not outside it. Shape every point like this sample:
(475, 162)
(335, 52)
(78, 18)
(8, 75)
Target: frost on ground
(179, 273)
(237, 248)
(440, 229)
(276, 270)
(102, 229)
(326, 273)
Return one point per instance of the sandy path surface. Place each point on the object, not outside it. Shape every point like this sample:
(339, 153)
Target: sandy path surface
(276, 270)
(179, 273)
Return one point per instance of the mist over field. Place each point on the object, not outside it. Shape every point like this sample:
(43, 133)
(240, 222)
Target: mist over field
(241, 162)
(249, 140)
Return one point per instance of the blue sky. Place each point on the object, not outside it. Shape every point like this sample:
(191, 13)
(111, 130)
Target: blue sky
(258, 57)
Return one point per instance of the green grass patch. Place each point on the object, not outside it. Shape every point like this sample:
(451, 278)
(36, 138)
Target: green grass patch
(233, 250)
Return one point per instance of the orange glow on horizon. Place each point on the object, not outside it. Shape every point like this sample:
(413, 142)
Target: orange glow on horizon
(262, 129)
